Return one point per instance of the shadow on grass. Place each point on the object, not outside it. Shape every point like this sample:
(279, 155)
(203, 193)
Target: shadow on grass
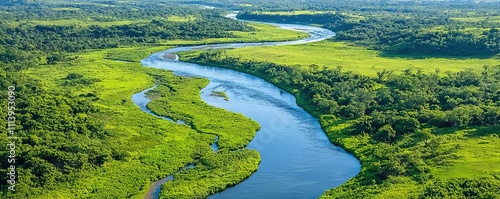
(471, 132)
(484, 131)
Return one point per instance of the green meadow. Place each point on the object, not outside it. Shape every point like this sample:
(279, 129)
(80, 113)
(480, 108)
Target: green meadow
(66, 9)
(183, 102)
(181, 18)
(263, 33)
(495, 19)
(295, 12)
(474, 152)
(356, 58)
(79, 22)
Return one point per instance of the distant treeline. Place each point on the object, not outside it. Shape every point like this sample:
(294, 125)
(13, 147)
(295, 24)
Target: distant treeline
(402, 32)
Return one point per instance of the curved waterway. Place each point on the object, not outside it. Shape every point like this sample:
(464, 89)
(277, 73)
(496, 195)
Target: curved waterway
(298, 160)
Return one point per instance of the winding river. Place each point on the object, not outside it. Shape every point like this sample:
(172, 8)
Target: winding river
(298, 160)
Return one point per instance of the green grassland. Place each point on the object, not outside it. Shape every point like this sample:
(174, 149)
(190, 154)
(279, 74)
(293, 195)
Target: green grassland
(152, 148)
(90, 21)
(245, 5)
(478, 19)
(183, 102)
(181, 18)
(296, 12)
(79, 22)
(355, 58)
(470, 153)
(65, 9)
(473, 30)
(263, 33)
(477, 153)
(214, 173)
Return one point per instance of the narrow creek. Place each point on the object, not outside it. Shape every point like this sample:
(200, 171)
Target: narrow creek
(298, 160)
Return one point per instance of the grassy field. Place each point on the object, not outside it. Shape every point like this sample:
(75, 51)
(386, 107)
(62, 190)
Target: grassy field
(181, 18)
(477, 19)
(355, 58)
(312, 12)
(476, 154)
(86, 22)
(296, 12)
(147, 139)
(66, 9)
(474, 30)
(263, 33)
(183, 102)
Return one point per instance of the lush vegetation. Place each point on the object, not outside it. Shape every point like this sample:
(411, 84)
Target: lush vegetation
(420, 133)
(213, 173)
(181, 102)
(220, 94)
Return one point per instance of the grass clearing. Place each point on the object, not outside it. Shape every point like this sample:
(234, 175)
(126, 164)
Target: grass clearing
(478, 154)
(143, 136)
(477, 19)
(245, 5)
(263, 33)
(86, 22)
(354, 58)
(297, 12)
(181, 18)
(66, 9)
(133, 54)
(474, 30)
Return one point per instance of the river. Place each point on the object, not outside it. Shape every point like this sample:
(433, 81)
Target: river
(298, 160)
